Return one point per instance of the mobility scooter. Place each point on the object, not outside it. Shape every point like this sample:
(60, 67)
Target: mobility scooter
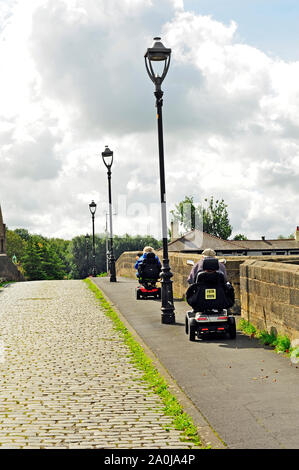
(148, 274)
(210, 297)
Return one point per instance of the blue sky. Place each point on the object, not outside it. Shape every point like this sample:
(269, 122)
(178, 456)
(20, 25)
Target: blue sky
(270, 25)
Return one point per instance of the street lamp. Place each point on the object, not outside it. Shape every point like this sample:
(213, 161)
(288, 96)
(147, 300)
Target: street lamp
(107, 156)
(93, 208)
(87, 238)
(160, 54)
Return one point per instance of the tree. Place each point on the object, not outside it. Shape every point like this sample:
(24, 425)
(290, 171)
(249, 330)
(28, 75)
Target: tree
(185, 213)
(215, 219)
(80, 265)
(23, 233)
(212, 216)
(51, 264)
(15, 245)
(282, 237)
(240, 236)
(32, 262)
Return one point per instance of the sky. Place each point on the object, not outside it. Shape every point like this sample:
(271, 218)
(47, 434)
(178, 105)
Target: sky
(73, 80)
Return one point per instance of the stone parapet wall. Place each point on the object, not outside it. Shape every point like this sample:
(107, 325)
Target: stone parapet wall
(8, 269)
(180, 269)
(270, 296)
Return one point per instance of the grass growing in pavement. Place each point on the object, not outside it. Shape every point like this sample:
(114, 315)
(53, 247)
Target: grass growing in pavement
(281, 343)
(4, 283)
(151, 376)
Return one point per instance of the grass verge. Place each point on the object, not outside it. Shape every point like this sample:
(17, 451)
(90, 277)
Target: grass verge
(181, 420)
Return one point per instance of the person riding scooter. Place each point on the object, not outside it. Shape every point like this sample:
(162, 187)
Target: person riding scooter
(148, 272)
(146, 250)
(210, 295)
(198, 267)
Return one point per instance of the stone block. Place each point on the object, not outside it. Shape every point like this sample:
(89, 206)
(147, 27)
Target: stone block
(294, 297)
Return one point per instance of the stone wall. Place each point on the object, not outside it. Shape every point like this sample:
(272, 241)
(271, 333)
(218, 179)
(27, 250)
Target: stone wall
(8, 269)
(270, 296)
(180, 270)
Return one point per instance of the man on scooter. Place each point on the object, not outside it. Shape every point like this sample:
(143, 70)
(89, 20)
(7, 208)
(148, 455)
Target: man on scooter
(198, 267)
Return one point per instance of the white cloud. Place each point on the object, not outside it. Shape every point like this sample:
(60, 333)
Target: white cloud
(73, 80)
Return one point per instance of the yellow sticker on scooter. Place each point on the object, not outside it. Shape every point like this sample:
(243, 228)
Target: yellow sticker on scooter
(210, 294)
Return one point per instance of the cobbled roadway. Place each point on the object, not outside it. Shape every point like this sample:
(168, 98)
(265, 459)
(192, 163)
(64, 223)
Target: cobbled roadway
(66, 376)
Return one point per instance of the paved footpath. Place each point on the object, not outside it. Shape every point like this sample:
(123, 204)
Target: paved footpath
(247, 393)
(66, 377)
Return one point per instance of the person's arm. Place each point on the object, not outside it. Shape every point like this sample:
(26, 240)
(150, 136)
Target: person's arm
(138, 262)
(192, 275)
(223, 270)
(157, 258)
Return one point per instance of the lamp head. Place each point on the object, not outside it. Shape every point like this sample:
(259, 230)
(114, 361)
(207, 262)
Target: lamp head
(92, 207)
(157, 53)
(107, 156)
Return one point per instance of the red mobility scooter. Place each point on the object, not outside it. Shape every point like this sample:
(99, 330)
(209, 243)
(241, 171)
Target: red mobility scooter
(148, 274)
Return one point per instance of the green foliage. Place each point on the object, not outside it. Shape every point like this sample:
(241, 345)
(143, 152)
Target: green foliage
(38, 257)
(80, 252)
(212, 215)
(32, 262)
(216, 219)
(240, 236)
(185, 213)
(247, 327)
(23, 233)
(281, 343)
(54, 258)
(15, 245)
(282, 237)
(267, 338)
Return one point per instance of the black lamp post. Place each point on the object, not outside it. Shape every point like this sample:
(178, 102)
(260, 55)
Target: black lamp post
(107, 156)
(93, 208)
(87, 238)
(159, 53)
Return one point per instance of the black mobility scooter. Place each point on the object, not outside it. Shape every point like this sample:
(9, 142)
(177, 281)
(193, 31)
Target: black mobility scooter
(210, 297)
(148, 274)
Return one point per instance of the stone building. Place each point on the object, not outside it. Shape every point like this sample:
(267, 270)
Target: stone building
(8, 270)
(2, 234)
(196, 241)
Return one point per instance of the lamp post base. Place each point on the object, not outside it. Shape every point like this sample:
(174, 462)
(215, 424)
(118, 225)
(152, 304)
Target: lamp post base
(167, 307)
(168, 318)
(112, 269)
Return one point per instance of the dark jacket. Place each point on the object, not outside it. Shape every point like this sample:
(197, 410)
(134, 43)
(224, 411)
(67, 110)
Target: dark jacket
(199, 267)
(142, 258)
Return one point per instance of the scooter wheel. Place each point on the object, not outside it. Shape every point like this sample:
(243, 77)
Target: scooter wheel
(191, 333)
(232, 331)
(138, 295)
(186, 325)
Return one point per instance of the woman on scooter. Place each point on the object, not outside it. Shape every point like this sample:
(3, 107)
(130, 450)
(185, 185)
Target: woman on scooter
(146, 249)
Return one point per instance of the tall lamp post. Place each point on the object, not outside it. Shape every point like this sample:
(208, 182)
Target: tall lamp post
(107, 249)
(107, 156)
(93, 208)
(87, 251)
(159, 53)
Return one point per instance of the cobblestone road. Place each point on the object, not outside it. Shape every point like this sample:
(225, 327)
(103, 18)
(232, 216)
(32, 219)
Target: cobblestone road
(66, 377)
